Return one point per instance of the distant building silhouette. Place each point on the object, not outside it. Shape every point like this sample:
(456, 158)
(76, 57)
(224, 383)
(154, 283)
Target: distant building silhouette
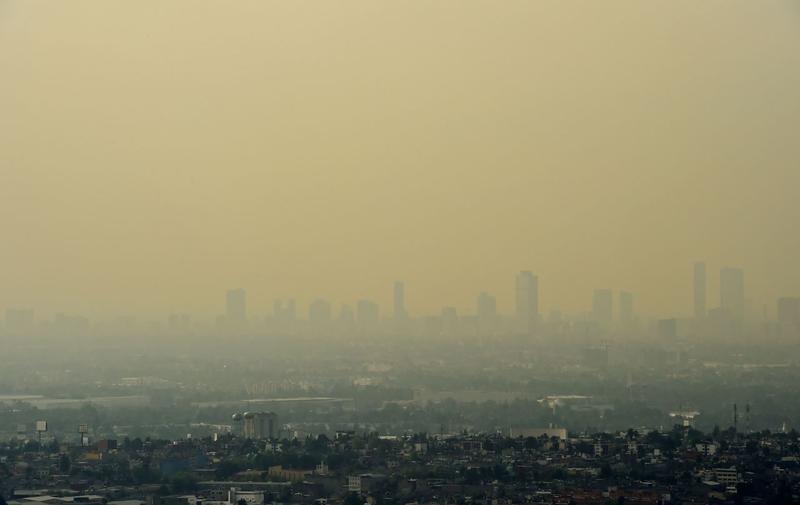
(731, 292)
(347, 319)
(260, 425)
(450, 321)
(319, 312)
(625, 307)
(236, 306)
(603, 306)
(789, 316)
(487, 314)
(178, 322)
(527, 302)
(19, 321)
(284, 312)
(400, 313)
(367, 315)
(699, 290)
(667, 329)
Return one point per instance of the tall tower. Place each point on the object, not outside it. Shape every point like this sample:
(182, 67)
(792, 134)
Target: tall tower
(400, 301)
(527, 301)
(284, 311)
(449, 321)
(236, 305)
(319, 311)
(625, 307)
(260, 425)
(699, 290)
(487, 313)
(731, 292)
(603, 306)
(368, 315)
(789, 316)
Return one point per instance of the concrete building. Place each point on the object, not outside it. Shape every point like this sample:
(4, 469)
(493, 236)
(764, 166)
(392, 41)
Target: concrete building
(625, 307)
(667, 329)
(237, 496)
(449, 317)
(603, 306)
(260, 425)
(487, 314)
(526, 302)
(367, 315)
(19, 321)
(399, 299)
(236, 306)
(731, 292)
(699, 290)
(789, 316)
(319, 312)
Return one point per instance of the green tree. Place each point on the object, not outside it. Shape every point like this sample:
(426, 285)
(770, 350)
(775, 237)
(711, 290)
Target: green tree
(182, 483)
(64, 464)
(353, 499)
(228, 468)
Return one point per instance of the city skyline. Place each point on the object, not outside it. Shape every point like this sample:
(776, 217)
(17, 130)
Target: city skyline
(524, 308)
(458, 252)
(287, 156)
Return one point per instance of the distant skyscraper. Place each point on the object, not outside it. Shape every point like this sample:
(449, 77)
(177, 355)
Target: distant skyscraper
(487, 313)
(260, 425)
(284, 311)
(236, 305)
(319, 311)
(71, 325)
(527, 301)
(487, 305)
(731, 292)
(449, 321)
(603, 306)
(347, 318)
(667, 329)
(367, 314)
(789, 317)
(19, 320)
(625, 307)
(699, 290)
(179, 322)
(400, 301)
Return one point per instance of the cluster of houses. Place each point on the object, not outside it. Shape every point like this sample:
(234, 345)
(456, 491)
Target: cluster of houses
(548, 466)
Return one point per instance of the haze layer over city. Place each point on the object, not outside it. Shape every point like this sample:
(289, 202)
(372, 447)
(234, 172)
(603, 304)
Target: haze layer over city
(275, 222)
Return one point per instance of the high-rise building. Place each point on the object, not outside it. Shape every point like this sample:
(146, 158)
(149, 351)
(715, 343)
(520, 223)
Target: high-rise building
(789, 316)
(260, 425)
(667, 329)
(487, 313)
(487, 305)
(346, 321)
(236, 305)
(603, 306)
(19, 321)
(367, 315)
(319, 311)
(449, 321)
(625, 307)
(400, 301)
(699, 290)
(179, 322)
(71, 325)
(527, 302)
(284, 311)
(731, 292)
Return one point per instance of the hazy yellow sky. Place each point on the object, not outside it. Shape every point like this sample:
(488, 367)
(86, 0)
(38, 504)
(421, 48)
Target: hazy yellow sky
(155, 153)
